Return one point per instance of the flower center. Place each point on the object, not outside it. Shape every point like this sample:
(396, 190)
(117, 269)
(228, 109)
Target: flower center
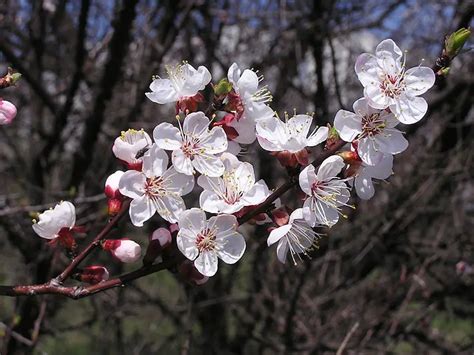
(206, 240)
(372, 125)
(188, 148)
(392, 85)
(155, 187)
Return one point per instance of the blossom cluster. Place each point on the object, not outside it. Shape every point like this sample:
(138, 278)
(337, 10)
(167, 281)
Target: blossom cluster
(201, 149)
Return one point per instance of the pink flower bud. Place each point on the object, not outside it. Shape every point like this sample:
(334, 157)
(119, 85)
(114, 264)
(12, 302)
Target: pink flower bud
(190, 273)
(7, 112)
(159, 240)
(112, 185)
(94, 274)
(281, 216)
(125, 250)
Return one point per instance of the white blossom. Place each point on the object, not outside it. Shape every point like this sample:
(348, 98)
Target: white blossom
(388, 85)
(296, 237)
(130, 147)
(184, 81)
(204, 241)
(275, 135)
(374, 129)
(194, 146)
(155, 189)
(249, 101)
(125, 250)
(51, 223)
(234, 190)
(363, 180)
(326, 192)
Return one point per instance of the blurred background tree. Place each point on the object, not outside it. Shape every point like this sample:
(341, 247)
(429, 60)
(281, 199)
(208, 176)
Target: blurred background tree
(384, 281)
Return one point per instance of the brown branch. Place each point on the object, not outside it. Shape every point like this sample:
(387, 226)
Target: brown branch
(103, 233)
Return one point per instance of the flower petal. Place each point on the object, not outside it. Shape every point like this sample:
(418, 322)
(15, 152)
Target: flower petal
(232, 247)
(208, 165)
(330, 167)
(192, 220)
(182, 163)
(206, 263)
(392, 143)
(167, 136)
(141, 210)
(162, 91)
(366, 68)
(257, 194)
(368, 152)
(306, 179)
(155, 162)
(282, 250)
(364, 186)
(409, 110)
(215, 141)
(187, 244)
(277, 234)
(181, 184)
(196, 124)
(419, 80)
(132, 184)
(348, 125)
(317, 137)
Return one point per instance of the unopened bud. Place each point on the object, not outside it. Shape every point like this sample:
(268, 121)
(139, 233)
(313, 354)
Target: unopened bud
(124, 250)
(7, 112)
(190, 273)
(350, 157)
(112, 185)
(159, 240)
(455, 41)
(94, 274)
(463, 268)
(281, 216)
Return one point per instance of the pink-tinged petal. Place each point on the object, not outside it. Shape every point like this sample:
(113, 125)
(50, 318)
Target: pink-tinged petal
(248, 82)
(330, 167)
(368, 152)
(364, 186)
(141, 210)
(277, 234)
(206, 263)
(231, 247)
(215, 142)
(392, 142)
(317, 137)
(181, 184)
(388, 48)
(193, 221)
(282, 250)
(132, 184)
(182, 163)
(196, 124)
(187, 244)
(170, 207)
(367, 69)
(348, 125)
(306, 179)
(419, 80)
(376, 97)
(409, 110)
(167, 136)
(209, 165)
(155, 162)
(8, 112)
(381, 171)
(257, 194)
(162, 91)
